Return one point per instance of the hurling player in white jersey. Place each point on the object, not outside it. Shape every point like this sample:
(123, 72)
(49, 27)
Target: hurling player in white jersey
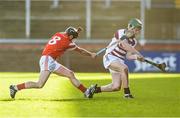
(120, 48)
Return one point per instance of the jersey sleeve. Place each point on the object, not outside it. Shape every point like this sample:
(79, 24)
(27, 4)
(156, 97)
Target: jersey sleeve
(72, 46)
(119, 34)
(116, 35)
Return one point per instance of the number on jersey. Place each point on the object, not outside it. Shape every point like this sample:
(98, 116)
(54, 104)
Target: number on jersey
(54, 40)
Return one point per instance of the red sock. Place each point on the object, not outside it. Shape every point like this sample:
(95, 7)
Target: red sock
(82, 88)
(21, 86)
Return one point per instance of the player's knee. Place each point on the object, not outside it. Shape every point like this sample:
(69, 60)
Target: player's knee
(121, 69)
(71, 75)
(40, 85)
(116, 88)
(125, 69)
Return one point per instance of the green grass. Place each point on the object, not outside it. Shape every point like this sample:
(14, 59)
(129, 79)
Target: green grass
(155, 95)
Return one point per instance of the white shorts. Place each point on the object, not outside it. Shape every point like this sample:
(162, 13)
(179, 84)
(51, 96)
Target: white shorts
(108, 59)
(48, 63)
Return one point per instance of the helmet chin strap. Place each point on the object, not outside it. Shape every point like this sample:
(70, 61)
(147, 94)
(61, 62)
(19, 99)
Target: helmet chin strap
(130, 28)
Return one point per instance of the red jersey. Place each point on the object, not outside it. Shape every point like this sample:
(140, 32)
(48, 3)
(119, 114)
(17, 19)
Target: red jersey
(58, 44)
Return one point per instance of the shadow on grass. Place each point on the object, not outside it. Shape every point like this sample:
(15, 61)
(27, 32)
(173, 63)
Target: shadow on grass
(6, 99)
(51, 99)
(60, 99)
(36, 99)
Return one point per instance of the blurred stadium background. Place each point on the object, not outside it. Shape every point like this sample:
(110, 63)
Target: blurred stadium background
(26, 25)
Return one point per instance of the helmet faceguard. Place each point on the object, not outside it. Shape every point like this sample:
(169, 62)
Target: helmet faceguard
(72, 31)
(135, 23)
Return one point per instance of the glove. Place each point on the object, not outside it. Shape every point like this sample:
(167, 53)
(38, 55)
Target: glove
(140, 58)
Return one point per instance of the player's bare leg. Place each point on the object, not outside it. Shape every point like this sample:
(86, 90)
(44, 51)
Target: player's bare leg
(123, 69)
(44, 75)
(63, 71)
(116, 79)
(123, 79)
(115, 85)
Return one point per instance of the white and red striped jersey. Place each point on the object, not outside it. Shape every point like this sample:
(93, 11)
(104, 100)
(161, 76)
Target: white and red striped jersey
(118, 49)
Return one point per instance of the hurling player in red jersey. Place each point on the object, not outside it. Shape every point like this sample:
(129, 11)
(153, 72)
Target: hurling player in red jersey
(59, 43)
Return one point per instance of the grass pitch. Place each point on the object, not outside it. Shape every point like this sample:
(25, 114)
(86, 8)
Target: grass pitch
(155, 95)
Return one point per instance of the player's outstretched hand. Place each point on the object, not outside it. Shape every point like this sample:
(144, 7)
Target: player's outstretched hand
(140, 58)
(93, 55)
